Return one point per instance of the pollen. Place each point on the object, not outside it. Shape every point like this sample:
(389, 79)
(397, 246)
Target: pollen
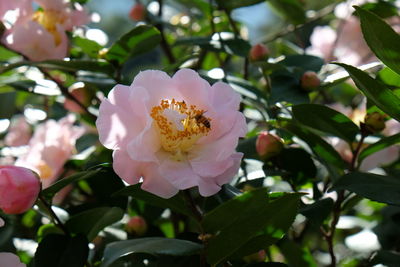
(179, 126)
(49, 19)
(45, 170)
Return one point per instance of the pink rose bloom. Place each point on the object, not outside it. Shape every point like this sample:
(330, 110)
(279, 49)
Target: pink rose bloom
(174, 133)
(51, 146)
(19, 133)
(19, 189)
(8, 259)
(41, 34)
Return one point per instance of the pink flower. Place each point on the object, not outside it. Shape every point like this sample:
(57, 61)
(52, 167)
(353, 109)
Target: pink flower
(19, 189)
(268, 145)
(41, 34)
(19, 133)
(51, 146)
(258, 52)
(8, 259)
(175, 133)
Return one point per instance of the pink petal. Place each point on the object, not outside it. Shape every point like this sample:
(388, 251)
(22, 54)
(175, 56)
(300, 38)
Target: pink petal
(144, 146)
(210, 167)
(10, 260)
(224, 97)
(126, 168)
(154, 182)
(179, 173)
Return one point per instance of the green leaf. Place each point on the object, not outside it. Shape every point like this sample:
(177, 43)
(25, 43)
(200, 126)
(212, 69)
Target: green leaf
(232, 4)
(290, 9)
(7, 105)
(388, 258)
(378, 146)
(248, 147)
(318, 211)
(57, 250)
(149, 245)
(385, 189)
(326, 120)
(305, 62)
(296, 255)
(375, 91)
(286, 87)
(139, 40)
(91, 222)
(261, 222)
(89, 47)
(175, 203)
(381, 38)
(53, 189)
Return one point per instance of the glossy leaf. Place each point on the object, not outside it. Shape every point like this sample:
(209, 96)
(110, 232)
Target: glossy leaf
(318, 211)
(232, 4)
(378, 146)
(140, 40)
(89, 47)
(230, 236)
(304, 62)
(91, 222)
(375, 91)
(57, 250)
(286, 87)
(290, 9)
(380, 188)
(149, 245)
(175, 203)
(296, 255)
(326, 120)
(381, 38)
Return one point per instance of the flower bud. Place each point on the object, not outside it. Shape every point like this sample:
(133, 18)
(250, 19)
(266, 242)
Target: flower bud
(255, 257)
(309, 80)
(136, 226)
(137, 12)
(268, 145)
(258, 52)
(80, 92)
(374, 122)
(19, 189)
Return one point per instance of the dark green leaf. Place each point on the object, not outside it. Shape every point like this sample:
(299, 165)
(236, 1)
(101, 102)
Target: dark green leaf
(286, 87)
(232, 4)
(140, 40)
(53, 189)
(91, 222)
(375, 91)
(62, 251)
(381, 38)
(231, 236)
(387, 258)
(150, 245)
(305, 62)
(326, 120)
(382, 9)
(379, 188)
(296, 255)
(289, 9)
(248, 148)
(175, 203)
(7, 105)
(381, 144)
(318, 211)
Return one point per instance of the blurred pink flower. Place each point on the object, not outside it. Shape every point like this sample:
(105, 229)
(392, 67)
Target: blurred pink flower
(41, 34)
(19, 189)
(19, 133)
(347, 45)
(8, 259)
(51, 146)
(175, 133)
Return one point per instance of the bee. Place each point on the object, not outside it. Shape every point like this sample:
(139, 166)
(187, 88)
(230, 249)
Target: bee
(203, 120)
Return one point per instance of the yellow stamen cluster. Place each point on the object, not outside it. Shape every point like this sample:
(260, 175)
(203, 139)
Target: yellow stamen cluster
(179, 138)
(45, 170)
(49, 19)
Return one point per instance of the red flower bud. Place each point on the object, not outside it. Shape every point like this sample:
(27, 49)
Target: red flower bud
(136, 226)
(255, 257)
(19, 189)
(258, 52)
(268, 145)
(310, 80)
(137, 12)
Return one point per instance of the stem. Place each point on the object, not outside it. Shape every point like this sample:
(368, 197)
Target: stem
(54, 216)
(357, 151)
(164, 44)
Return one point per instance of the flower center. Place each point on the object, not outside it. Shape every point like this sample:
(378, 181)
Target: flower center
(45, 170)
(179, 126)
(49, 19)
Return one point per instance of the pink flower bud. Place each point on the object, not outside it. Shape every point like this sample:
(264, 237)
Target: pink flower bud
(258, 52)
(137, 12)
(268, 145)
(82, 95)
(136, 226)
(19, 189)
(310, 80)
